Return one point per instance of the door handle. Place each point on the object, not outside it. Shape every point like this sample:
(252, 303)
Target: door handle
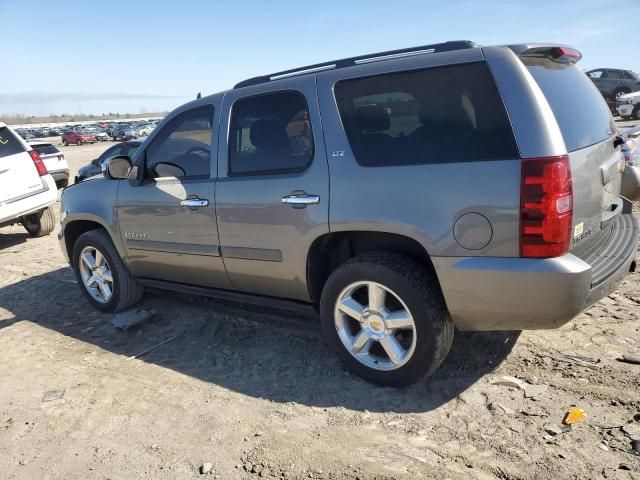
(194, 202)
(301, 199)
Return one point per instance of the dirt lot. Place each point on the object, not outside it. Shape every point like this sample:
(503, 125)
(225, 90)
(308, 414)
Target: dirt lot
(258, 395)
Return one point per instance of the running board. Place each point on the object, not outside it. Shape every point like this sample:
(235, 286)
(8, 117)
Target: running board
(237, 297)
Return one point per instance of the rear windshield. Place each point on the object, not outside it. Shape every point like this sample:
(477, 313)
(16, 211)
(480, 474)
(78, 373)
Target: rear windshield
(581, 112)
(47, 149)
(9, 144)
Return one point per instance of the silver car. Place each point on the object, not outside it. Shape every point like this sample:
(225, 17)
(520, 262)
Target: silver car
(402, 193)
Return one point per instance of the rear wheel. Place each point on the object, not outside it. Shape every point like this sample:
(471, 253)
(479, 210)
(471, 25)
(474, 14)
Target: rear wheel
(386, 317)
(636, 113)
(65, 143)
(40, 223)
(103, 278)
(62, 183)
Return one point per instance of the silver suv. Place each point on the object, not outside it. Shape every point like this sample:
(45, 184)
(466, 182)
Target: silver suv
(403, 193)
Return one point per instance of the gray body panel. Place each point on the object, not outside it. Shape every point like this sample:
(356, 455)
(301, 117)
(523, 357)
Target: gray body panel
(464, 215)
(164, 239)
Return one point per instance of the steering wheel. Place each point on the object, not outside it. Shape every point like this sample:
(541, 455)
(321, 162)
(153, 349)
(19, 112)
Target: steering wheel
(192, 151)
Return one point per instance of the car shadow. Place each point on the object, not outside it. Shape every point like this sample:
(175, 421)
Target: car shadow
(8, 240)
(271, 354)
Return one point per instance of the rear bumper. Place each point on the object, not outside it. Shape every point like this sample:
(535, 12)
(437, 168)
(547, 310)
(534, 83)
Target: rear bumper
(488, 293)
(59, 175)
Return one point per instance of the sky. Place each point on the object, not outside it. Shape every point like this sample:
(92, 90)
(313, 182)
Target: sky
(140, 56)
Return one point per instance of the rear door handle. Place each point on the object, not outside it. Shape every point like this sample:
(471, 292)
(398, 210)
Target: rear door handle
(194, 202)
(301, 199)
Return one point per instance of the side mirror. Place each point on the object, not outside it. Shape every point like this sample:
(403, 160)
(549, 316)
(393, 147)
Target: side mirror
(117, 168)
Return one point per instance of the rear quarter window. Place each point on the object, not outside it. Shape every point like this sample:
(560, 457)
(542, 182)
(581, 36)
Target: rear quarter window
(579, 108)
(9, 144)
(437, 115)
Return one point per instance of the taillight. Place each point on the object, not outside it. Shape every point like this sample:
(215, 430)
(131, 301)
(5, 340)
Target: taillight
(37, 161)
(565, 54)
(546, 207)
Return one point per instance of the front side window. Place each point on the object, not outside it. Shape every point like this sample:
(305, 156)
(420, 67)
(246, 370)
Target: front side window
(596, 74)
(438, 115)
(183, 147)
(270, 134)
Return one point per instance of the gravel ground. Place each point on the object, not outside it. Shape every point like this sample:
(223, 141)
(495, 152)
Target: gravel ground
(257, 394)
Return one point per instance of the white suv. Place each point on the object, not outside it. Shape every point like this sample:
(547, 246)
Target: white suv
(27, 190)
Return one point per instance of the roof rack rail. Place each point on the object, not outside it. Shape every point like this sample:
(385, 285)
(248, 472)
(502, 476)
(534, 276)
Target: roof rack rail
(349, 62)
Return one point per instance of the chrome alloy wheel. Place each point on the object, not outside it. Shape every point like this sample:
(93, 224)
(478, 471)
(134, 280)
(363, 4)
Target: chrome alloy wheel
(96, 274)
(375, 325)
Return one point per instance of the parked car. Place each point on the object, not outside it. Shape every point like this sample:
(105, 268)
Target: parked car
(95, 167)
(464, 190)
(613, 83)
(54, 160)
(630, 186)
(101, 135)
(27, 191)
(628, 106)
(77, 137)
(145, 130)
(122, 132)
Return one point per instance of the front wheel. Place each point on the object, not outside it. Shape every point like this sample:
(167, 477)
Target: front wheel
(386, 317)
(79, 142)
(40, 223)
(636, 113)
(65, 143)
(101, 274)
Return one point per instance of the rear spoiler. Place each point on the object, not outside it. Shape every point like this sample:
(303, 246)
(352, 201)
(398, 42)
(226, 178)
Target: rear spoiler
(555, 52)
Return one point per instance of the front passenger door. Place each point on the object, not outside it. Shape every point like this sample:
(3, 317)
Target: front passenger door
(168, 223)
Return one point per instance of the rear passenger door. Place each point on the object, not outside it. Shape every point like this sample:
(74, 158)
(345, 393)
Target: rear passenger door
(272, 195)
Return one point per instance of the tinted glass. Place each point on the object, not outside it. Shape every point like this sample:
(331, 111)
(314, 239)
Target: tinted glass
(614, 74)
(184, 142)
(47, 149)
(111, 152)
(581, 112)
(439, 115)
(9, 144)
(270, 134)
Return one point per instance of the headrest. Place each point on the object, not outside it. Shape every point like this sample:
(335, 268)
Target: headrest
(444, 109)
(372, 118)
(268, 134)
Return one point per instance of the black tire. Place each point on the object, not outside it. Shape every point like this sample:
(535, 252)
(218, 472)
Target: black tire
(78, 142)
(636, 113)
(418, 288)
(127, 291)
(62, 183)
(65, 143)
(40, 223)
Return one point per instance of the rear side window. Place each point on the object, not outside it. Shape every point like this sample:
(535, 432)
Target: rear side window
(270, 134)
(9, 144)
(47, 149)
(438, 115)
(581, 112)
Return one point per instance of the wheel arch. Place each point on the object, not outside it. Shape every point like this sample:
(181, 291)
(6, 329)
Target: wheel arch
(76, 227)
(331, 250)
